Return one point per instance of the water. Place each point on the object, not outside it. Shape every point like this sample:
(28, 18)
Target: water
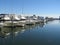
(39, 34)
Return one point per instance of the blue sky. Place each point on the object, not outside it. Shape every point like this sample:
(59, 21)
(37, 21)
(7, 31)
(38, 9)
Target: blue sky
(38, 7)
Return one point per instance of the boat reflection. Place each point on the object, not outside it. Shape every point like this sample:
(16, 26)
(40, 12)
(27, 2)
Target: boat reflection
(11, 31)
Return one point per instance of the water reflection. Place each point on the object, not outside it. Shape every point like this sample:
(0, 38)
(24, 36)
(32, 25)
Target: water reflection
(5, 32)
(12, 32)
(42, 34)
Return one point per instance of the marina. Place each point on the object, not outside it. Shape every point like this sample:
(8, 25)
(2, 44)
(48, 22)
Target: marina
(28, 30)
(29, 22)
(38, 34)
(14, 20)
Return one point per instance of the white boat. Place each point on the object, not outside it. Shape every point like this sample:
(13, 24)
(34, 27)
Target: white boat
(6, 18)
(1, 24)
(16, 18)
(22, 18)
(30, 22)
(34, 18)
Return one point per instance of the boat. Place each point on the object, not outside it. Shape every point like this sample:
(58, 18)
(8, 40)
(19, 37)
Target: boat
(30, 22)
(1, 24)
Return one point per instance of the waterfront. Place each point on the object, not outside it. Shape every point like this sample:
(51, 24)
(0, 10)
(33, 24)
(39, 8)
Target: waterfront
(39, 34)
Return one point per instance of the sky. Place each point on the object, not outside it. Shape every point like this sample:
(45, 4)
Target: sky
(28, 7)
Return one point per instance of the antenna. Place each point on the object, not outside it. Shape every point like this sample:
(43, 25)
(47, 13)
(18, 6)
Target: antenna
(22, 7)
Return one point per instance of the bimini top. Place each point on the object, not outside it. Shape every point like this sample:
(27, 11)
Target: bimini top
(6, 18)
(22, 17)
(16, 18)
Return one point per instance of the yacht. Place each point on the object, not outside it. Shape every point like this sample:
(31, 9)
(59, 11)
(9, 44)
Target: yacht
(6, 18)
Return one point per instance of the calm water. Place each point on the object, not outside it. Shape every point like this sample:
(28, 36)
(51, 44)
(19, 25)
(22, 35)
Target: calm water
(39, 34)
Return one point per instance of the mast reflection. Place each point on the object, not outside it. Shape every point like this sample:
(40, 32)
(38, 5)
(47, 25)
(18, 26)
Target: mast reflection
(14, 31)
